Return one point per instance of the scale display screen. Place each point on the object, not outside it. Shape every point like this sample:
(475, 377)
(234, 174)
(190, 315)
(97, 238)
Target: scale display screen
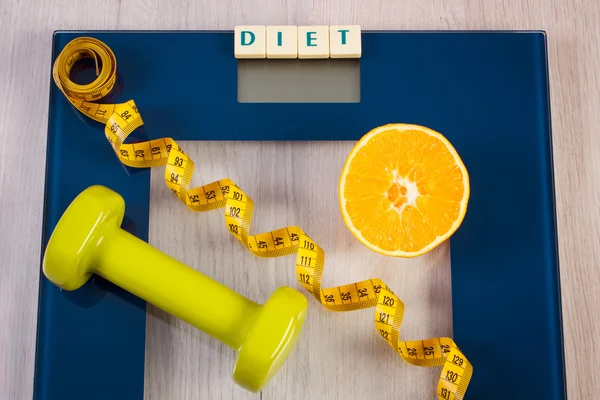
(299, 81)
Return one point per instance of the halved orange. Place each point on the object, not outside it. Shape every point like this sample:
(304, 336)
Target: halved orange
(403, 190)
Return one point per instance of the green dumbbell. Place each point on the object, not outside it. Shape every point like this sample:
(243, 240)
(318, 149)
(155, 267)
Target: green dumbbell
(88, 239)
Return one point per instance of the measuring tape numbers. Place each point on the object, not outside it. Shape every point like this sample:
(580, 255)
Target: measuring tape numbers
(122, 119)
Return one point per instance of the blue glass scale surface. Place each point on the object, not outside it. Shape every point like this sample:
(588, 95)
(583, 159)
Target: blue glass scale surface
(487, 92)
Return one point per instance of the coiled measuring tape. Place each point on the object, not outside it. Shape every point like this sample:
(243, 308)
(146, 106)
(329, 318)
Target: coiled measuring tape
(122, 119)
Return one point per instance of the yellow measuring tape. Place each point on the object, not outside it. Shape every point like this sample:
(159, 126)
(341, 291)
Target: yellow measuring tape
(122, 119)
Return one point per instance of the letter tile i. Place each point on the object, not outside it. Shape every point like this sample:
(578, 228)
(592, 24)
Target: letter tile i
(282, 42)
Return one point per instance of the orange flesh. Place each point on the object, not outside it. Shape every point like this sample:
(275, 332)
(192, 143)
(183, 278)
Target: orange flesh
(403, 190)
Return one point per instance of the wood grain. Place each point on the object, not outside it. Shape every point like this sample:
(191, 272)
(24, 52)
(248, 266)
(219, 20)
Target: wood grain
(291, 184)
(574, 52)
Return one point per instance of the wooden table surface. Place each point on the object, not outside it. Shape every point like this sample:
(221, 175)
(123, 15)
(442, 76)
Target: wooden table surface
(574, 50)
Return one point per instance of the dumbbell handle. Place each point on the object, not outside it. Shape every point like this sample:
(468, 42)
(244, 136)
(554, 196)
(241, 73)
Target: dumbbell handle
(172, 286)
